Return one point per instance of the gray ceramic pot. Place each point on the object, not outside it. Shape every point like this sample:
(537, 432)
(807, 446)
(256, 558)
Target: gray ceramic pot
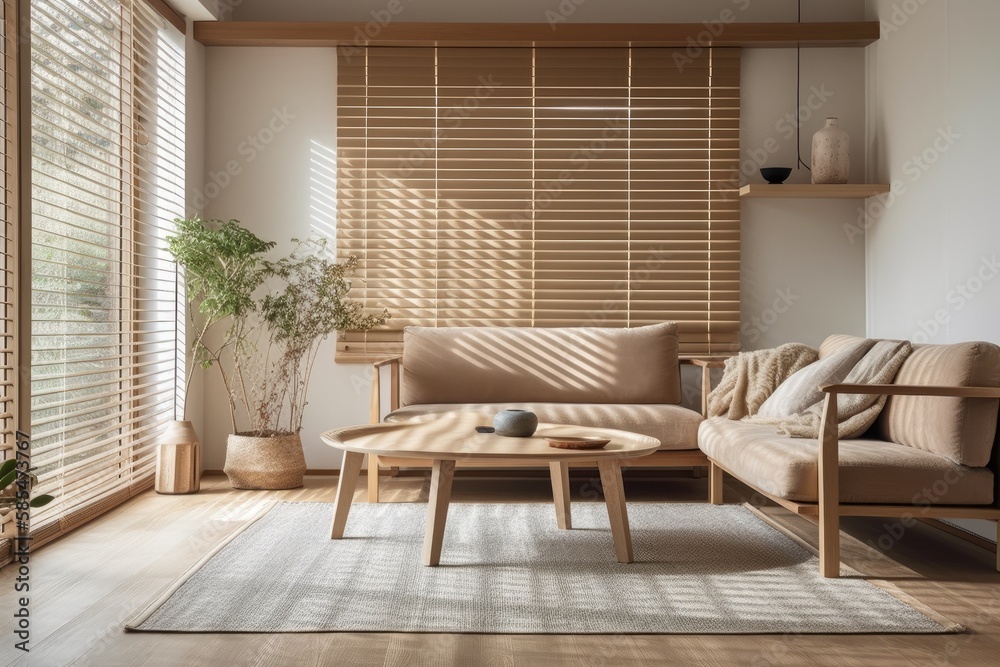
(515, 423)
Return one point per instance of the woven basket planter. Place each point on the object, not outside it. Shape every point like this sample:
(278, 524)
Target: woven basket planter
(265, 463)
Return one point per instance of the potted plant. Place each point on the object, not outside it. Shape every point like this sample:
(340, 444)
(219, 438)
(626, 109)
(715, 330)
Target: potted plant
(8, 497)
(306, 302)
(223, 269)
(278, 313)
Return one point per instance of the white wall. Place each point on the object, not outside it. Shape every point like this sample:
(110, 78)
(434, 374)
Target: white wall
(803, 278)
(284, 100)
(933, 94)
(787, 245)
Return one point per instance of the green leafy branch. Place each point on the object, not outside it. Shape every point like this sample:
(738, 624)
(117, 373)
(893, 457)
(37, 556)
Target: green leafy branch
(310, 304)
(267, 354)
(223, 268)
(8, 475)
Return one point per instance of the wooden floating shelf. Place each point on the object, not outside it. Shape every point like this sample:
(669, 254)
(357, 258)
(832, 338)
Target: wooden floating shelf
(761, 35)
(809, 191)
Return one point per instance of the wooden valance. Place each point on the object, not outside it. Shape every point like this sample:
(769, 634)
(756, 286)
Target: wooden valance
(391, 33)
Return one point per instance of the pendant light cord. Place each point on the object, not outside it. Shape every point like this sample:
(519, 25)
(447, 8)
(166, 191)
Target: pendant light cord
(798, 97)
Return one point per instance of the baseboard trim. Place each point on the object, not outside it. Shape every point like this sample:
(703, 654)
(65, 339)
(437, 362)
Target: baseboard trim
(512, 473)
(317, 472)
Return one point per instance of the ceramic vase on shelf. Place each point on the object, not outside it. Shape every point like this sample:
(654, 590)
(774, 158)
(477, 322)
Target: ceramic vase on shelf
(831, 154)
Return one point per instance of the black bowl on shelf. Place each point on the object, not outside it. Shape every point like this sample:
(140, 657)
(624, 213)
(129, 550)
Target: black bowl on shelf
(775, 175)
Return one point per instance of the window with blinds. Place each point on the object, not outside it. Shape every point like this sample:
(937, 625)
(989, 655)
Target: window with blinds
(107, 86)
(8, 243)
(541, 187)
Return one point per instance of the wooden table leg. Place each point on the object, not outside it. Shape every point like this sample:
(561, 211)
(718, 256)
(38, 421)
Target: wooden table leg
(559, 471)
(350, 470)
(614, 496)
(437, 510)
(372, 478)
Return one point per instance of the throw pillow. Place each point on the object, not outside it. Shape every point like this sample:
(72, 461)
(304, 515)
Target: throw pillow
(855, 412)
(801, 390)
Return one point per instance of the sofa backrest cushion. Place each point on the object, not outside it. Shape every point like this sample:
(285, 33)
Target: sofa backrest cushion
(558, 365)
(960, 429)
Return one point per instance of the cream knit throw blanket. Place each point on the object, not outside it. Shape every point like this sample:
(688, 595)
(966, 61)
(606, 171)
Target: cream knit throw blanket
(855, 412)
(750, 377)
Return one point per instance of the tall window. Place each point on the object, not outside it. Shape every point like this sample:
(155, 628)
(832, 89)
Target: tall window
(8, 224)
(107, 179)
(541, 187)
(8, 242)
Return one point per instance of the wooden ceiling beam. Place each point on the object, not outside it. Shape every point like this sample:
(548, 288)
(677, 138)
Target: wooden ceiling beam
(372, 33)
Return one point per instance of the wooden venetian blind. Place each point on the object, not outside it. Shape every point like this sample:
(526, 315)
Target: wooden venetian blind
(9, 240)
(9, 190)
(107, 179)
(541, 187)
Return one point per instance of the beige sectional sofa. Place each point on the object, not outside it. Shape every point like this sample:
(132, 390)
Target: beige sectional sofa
(932, 452)
(625, 379)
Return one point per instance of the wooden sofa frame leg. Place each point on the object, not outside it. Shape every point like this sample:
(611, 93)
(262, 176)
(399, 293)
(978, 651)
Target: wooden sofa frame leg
(829, 490)
(375, 415)
(714, 483)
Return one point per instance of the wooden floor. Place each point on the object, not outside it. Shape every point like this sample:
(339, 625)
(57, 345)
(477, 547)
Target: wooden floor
(85, 586)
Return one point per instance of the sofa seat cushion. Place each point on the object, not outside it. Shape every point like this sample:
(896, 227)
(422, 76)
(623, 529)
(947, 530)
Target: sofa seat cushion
(675, 427)
(871, 471)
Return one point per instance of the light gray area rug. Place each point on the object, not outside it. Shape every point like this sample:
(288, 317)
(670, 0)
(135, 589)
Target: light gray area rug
(507, 568)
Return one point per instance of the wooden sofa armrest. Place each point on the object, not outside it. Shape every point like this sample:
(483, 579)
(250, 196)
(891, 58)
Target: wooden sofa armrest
(706, 378)
(385, 362)
(394, 365)
(911, 390)
(829, 454)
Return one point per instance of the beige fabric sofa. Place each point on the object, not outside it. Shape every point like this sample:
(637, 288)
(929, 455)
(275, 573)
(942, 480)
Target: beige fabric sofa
(625, 379)
(932, 452)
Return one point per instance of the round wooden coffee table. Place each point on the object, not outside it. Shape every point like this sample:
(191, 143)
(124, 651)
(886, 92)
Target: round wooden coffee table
(446, 440)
